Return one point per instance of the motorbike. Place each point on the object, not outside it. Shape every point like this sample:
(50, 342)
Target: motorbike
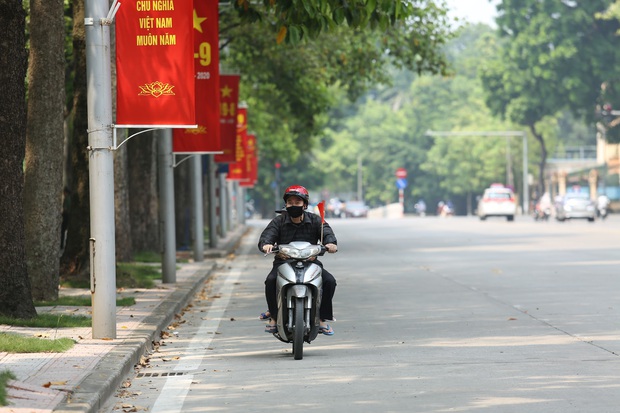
(541, 214)
(602, 212)
(298, 290)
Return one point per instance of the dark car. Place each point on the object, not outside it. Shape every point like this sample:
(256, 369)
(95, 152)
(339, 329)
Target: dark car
(575, 205)
(356, 209)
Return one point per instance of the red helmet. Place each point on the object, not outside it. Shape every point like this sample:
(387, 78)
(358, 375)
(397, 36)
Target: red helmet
(297, 190)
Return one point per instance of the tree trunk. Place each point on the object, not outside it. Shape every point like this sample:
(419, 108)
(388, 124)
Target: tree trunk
(124, 250)
(15, 294)
(75, 260)
(144, 202)
(44, 146)
(543, 160)
(183, 205)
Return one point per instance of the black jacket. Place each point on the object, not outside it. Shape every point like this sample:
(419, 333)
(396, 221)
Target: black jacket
(281, 230)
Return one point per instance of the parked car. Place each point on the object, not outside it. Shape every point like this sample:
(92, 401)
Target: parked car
(497, 201)
(575, 205)
(356, 209)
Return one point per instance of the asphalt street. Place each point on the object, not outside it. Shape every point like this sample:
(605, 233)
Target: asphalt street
(433, 315)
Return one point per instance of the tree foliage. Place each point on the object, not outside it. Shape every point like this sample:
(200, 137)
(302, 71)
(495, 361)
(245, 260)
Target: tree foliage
(296, 20)
(290, 87)
(387, 130)
(556, 56)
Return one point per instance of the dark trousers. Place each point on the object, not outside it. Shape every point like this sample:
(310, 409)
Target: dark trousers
(329, 288)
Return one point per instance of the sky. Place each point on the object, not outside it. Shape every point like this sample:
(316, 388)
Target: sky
(475, 11)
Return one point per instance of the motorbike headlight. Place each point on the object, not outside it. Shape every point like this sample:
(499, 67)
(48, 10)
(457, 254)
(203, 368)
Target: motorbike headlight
(303, 253)
(310, 251)
(290, 252)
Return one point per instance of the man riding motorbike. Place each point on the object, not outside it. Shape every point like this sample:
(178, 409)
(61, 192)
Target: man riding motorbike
(297, 225)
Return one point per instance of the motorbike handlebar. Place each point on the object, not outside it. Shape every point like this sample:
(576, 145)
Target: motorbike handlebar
(276, 249)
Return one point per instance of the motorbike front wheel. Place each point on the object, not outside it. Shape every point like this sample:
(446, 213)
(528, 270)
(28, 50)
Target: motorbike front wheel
(298, 329)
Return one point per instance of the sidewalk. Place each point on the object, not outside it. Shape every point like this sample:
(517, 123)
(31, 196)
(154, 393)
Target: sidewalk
(81, 379)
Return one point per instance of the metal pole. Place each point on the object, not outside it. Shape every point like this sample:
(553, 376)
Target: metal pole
(241, 204)
(230, 204)
(234, 194)
(526, 184)
(276, 187)
(212, 202)
(166, 205)
(509, 177)
(223, 205)
(197, 211)
(360, 195)
(101, 170)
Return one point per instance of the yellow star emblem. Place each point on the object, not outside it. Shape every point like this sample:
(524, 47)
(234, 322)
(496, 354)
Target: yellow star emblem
(198, 21)
(226, 91)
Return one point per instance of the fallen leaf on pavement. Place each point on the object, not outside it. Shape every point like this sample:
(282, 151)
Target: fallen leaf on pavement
(54, 383)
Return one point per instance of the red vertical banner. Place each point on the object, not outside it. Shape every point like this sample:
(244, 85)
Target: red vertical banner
(237, 170)
(250, 182)
(229, 98)
(154, 46)
(206, 137)
(251, 161)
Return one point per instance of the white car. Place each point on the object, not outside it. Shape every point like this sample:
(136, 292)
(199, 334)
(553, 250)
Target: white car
(575, 205)
(497, 201)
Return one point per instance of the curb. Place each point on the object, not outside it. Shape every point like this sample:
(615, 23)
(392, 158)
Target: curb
(91, 394)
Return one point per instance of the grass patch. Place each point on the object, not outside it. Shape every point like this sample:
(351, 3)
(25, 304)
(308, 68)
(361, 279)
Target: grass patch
(15, 343)
(128, 275)
(147, 256)
(49, 321)
(5, 376)
(131, 275)
(82, 301)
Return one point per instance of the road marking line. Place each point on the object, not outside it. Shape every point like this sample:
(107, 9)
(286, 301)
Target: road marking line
(174, 391)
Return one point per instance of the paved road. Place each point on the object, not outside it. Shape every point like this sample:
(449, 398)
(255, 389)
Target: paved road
(434, 315)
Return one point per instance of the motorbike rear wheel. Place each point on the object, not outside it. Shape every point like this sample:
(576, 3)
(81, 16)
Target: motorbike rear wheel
(298, 329)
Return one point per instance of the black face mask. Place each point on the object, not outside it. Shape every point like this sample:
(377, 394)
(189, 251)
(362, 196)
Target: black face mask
(295, 211)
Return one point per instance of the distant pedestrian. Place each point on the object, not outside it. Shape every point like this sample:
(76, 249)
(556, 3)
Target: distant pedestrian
(420, 208)
(440, 206)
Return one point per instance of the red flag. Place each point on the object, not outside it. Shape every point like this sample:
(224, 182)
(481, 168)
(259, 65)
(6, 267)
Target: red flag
(229, 97)
(250, 158)
(154, 49)
(321, 207)
(237, 170)
(206, 137)
(251, 162)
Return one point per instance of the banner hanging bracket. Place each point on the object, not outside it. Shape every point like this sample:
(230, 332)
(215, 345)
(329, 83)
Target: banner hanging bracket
(175, 163)
(107, 21)
(116, 147)
(149, 128)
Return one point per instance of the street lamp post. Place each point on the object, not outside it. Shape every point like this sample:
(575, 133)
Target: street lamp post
(276, 186)
(101, 168)
(526, 190)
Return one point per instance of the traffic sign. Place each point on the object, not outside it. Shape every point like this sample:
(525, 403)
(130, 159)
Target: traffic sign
(401, 183)
(401, 173)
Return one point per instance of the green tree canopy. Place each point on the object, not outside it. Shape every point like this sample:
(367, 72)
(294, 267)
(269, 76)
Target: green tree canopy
(291, 86)
(555, 55)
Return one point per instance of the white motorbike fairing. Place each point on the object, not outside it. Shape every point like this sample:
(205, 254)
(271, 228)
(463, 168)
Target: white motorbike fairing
(298, 279)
